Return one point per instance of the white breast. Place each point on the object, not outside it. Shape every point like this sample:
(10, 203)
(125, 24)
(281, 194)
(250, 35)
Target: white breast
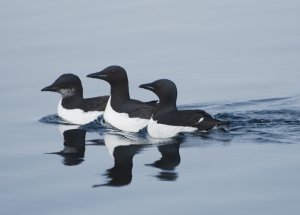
(166, 131)
(77, 116)
(122, 121)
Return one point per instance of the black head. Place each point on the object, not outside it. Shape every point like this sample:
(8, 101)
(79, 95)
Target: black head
(111, 74)
(165, 90)
(67, 85)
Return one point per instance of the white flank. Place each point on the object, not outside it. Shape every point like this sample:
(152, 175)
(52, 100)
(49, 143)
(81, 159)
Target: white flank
(122, 121)
(77, 116)
(112, 141)
(166, 131)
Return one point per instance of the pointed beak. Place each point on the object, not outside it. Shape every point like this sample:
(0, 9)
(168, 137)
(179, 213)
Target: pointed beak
(98, 75)
(50, 88)
(148, 86)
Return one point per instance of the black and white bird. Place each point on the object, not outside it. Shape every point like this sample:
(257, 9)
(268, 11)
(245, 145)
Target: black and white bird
(122, 112)
(167, 121)
(73, 107)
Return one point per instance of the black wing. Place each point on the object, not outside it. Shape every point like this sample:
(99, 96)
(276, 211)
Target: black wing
(190, 118)
(95, 104)
(138, 109)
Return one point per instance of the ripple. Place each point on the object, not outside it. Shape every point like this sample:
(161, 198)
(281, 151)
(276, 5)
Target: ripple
(275, 120)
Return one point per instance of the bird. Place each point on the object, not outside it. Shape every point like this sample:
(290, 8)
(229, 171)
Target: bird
(121, 111)
(167, 121)
(73, 107)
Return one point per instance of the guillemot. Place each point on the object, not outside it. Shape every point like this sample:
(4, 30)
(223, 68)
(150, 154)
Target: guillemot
(167, 121)
(73, 107)
(121, 111)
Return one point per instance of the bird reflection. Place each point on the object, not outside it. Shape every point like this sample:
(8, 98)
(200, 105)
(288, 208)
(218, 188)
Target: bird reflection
(170, 159)
(74, 145)
(122, 150)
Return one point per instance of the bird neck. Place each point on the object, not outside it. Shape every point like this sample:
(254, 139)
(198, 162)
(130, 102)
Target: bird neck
(163, 109)
(167, 102)
(120, 92)
(72, 100)
(165, 105)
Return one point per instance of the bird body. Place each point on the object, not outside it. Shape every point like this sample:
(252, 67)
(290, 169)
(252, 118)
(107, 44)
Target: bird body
(121, 111)
(73, 107)
(167, 121)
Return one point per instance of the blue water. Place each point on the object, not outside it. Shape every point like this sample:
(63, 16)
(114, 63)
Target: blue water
(238, 60)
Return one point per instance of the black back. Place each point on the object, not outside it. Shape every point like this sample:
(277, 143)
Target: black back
(135, 108)
(88, 104)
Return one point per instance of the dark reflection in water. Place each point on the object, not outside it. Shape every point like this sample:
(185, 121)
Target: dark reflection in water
(122, 150)
(74, 145)
(170, 159)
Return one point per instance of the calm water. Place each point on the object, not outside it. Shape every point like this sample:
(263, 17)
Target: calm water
(238, 60)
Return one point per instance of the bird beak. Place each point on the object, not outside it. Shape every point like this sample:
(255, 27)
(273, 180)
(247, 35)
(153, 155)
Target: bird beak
(148, 86)
(51, 88)
(98, 75)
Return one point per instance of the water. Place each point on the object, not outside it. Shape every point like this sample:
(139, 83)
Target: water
(237, 60)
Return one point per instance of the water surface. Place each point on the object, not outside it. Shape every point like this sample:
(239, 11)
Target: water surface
(238, 60)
